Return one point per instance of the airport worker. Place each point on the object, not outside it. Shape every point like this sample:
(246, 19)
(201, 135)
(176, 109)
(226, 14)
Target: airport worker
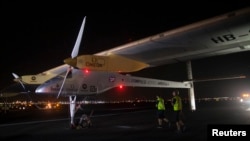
(177, 107)
(161, 112)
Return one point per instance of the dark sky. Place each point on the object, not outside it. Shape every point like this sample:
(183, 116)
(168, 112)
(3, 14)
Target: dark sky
(37, 40)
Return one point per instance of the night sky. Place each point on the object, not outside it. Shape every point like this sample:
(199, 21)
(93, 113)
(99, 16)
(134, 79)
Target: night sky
(34, 41)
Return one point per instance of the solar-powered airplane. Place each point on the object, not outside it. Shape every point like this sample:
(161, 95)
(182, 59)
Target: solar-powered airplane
(85, 75)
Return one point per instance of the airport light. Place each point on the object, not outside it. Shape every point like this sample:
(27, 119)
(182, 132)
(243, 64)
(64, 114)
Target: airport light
(245, 97)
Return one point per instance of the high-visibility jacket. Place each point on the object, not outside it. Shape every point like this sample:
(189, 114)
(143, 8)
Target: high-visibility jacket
(160, 104)
(177, 105)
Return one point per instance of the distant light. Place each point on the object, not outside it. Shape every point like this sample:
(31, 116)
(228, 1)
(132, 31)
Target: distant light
(241, 100)
(121, 86)
(245, 95)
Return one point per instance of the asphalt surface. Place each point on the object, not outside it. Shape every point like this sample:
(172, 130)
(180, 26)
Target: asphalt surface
(122, 123)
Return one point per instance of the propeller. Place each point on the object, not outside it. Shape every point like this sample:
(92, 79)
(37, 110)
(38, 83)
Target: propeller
(74, 53)
(17, 78)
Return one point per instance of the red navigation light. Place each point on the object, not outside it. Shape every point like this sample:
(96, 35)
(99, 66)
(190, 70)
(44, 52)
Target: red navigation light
(120, 86)
(86, 71)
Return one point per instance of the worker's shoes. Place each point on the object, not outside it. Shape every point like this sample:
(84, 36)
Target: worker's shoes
(169, 124)
(183, 128)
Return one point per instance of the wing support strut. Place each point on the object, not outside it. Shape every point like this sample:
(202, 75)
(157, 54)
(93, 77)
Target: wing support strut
(191, 90)
(72, 104)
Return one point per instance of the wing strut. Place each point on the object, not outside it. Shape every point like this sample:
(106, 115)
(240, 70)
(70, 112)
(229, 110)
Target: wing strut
(191, 90)
(72, 104)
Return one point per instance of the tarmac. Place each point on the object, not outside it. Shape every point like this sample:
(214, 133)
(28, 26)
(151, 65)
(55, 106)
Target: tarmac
(123, 123)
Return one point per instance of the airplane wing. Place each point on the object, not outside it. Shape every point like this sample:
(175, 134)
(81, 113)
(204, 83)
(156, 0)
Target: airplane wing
(225, 34)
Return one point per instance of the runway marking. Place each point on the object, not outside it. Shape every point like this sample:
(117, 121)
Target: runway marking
(32, 122)
(54, 120)
(124, 127)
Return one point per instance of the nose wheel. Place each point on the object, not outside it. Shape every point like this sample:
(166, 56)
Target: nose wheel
(84, 122)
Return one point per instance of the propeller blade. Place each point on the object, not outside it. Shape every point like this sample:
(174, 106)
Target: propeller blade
(78, 40)
(17, 78)
(74, 53)
(15, 75)
(65, 77)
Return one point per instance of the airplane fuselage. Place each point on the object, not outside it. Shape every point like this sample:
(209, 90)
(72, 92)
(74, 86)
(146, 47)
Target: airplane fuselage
(81, 82)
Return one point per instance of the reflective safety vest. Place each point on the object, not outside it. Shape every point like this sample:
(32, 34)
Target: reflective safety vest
(160, 104)
(178, 104)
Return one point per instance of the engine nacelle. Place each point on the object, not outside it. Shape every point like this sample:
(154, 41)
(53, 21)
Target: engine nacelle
(112, 63)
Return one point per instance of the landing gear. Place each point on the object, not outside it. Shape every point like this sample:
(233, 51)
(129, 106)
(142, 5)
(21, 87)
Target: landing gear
(84, 122)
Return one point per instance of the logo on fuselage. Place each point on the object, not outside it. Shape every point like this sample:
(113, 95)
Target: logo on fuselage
(112, 78)
(96, 62)
(84, 86)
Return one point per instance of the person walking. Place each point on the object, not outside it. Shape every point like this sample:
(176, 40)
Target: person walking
(161, 112)
(177, 107)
